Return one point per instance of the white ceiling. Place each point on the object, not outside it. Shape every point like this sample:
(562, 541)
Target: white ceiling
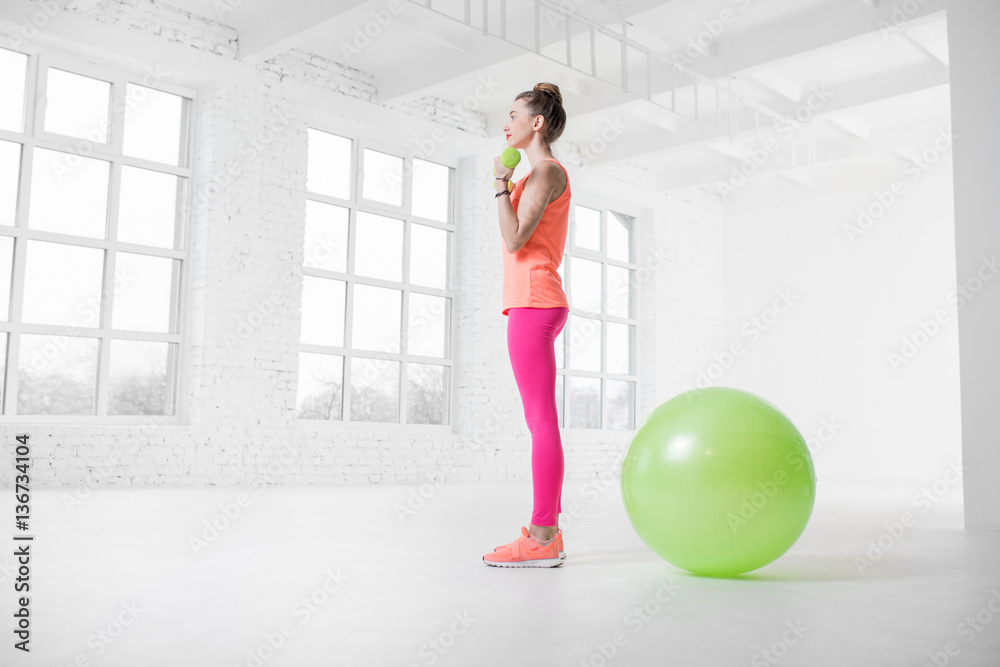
(887, 90)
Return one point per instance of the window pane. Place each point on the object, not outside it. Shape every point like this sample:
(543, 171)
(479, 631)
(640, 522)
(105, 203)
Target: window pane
(619, 348)
(324, 304)
(13, 73)
(383, 178)
(585, 344)
(154, 124)
(378, 247)
(620, 237)
(619, 301)
(57, 375)
(6, 267)
(329, 168)
(10, 178)
(429, 256)
(618, 404)
(148, 208)
(587, 227)
(143, 293)
(428, 325)
(584, 402)
(139, 382)
(426, 389)
(77, 105)
(585, 290)
(69, 194)
(326, 236)
(374, 390)
(321, 387)
(430, 190)
(560, 382)
(62, 284)
(377, 315)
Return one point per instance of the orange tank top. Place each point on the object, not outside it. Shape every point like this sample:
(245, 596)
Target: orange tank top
(531, 275)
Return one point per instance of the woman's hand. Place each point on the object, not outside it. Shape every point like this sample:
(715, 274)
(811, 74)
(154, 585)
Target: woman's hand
(501, 172)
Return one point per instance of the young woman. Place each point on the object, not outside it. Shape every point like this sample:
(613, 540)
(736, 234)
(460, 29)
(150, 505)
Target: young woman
(534, 220)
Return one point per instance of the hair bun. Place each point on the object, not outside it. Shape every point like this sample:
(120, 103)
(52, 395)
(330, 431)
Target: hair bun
(550, 88)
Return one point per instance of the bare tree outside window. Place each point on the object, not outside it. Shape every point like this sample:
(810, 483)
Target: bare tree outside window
(92, 328)
(595, 352)
(377, 292)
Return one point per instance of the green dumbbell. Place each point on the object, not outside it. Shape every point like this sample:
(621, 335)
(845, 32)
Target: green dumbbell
(508, 158)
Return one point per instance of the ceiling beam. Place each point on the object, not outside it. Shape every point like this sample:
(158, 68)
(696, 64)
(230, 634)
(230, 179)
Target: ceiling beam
(850, 124)
(869, 90)
(490, 51)
(282, 27)
(822, 30)
(772, 83)
(930, 44)
(825, 29)
(891, 140)
(852, 167)
(750, 54)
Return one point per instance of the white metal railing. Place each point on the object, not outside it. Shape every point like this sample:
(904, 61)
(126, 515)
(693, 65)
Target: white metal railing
(734, 102)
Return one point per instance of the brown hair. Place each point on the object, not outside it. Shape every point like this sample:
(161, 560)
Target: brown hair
(546, 100)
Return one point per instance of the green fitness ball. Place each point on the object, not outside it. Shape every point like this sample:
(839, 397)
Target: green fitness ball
(718, 481)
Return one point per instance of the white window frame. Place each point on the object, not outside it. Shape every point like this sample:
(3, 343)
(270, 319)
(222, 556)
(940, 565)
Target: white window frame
(605, 207)
(359, 142)
(39, 62)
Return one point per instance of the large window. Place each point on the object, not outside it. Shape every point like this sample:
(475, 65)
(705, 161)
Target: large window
(94, 173)
(595, 352)
(377, 293)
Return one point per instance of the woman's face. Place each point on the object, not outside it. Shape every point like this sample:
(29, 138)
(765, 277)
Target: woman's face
(518, 128)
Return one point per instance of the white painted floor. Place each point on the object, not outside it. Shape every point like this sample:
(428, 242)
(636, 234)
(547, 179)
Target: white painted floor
(416, 592)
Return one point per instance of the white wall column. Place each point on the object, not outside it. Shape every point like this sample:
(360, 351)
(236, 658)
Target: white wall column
(975, 109)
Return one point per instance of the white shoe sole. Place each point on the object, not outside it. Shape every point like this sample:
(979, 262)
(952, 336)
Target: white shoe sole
(540, 562)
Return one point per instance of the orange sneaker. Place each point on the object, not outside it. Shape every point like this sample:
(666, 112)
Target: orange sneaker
(526, 551)
(559, 541)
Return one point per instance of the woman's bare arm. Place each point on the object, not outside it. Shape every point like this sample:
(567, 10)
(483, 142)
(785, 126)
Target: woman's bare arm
(539, 190)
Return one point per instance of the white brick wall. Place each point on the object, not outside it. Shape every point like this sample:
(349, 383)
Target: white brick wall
(442, 111)
(322, 72)
(165, 22)
(243, 299)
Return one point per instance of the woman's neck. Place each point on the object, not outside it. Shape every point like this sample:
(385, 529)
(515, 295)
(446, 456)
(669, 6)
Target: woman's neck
(537, 151)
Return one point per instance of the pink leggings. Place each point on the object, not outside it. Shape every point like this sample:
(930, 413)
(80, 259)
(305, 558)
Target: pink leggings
(531, 335)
